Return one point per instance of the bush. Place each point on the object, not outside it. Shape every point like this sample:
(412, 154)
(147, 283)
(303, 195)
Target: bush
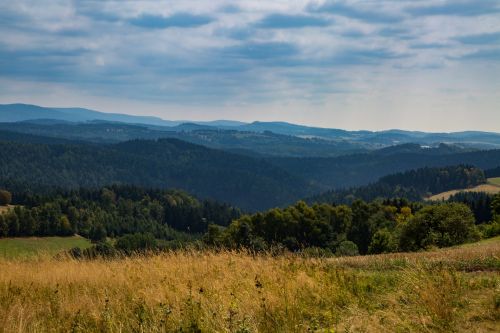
(5, 198)
(490, 230)
(347, 248)
(136, 243)
(439, 225)
(99, 250)
(382, 242)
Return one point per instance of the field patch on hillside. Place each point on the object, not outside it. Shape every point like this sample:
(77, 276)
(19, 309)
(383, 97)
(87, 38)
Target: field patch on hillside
(452, 290)
(494, 181)
(492, 187)
(27, 247)
(4, 209)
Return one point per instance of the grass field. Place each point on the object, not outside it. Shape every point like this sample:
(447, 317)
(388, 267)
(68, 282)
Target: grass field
(492, 186)
(494, 181)
(3, 209)
(453, 290)
(35, 246)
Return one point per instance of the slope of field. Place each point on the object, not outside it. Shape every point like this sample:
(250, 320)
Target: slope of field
(35, 246)
(494, 181)
(492, 187)
(4, 209)
(454, 290)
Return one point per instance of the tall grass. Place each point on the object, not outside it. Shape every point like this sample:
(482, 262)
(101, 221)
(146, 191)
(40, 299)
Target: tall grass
(189, 291)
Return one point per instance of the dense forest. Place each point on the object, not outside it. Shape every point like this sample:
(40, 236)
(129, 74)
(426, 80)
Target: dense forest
(413, 185)
(492, 173)
(358, 228)
(166, 163)
(112, 212)
(252, 183)
(361, 169)
(140, 219)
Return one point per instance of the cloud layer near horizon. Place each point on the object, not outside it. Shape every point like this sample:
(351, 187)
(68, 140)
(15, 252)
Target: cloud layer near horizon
(432, 65)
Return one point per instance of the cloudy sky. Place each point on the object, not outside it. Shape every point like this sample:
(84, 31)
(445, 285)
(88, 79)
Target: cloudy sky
(372, 64)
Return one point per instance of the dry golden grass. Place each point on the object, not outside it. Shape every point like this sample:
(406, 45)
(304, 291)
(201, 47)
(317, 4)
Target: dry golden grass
(440, 291)
(4, 209)
(487, 188)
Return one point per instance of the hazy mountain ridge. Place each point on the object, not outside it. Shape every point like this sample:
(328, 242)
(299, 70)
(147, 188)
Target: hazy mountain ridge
(254, 139)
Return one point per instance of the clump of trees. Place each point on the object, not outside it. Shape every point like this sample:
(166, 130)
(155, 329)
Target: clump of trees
(439, 225)
(113, 212)
(376, 227)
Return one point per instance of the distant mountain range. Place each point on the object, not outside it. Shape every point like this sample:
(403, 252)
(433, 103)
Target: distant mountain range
(24, 112)
(255, 139)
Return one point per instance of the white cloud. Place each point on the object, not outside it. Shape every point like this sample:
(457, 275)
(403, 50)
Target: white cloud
(361, 64)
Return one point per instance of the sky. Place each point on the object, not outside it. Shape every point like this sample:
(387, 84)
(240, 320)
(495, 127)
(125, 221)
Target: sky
(408, 64)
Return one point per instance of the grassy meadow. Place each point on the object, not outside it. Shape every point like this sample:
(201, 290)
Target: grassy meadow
(492, 187)
(494, 181)
(451, 290)
(28, 247)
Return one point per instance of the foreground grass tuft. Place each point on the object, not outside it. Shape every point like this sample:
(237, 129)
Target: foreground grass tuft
(454, 290)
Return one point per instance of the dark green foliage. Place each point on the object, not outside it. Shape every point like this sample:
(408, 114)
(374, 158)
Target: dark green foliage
(5, 198)
(478, 202)
(133, 243)
(412, 185)
(341, 229)
(361, 169)
(99, 250)
(382, 242)
(492, 173)
(495, 207)
(347, 248)
(166, 163)
(375, 227)
(438, 225)
(113, 212)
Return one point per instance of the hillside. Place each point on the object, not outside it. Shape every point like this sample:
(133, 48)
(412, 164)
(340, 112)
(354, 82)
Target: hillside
(244, 178)
(492, 187)
(253, 143)
(361, 169)
(412, 185)
(287, 139)
(167, 163)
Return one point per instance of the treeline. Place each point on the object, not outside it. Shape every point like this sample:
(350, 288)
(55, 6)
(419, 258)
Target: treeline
(479, 202)
(359, 228)
(413, 185)
(493, 173)
(113, 212)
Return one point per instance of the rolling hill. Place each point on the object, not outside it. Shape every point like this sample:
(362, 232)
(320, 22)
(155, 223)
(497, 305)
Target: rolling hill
(165, 163)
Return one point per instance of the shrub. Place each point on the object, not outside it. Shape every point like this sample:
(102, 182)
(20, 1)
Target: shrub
(5, 198)
(136, 243)
(382, 242)
(438, 225)
(347, 248)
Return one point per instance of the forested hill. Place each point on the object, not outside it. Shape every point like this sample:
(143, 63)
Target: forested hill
(412, 185)
(361, 169)
(249, 183)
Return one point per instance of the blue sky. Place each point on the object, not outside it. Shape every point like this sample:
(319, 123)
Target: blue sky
(419, 64)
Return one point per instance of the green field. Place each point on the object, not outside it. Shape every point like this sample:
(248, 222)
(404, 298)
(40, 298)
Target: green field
(33, 246)
(494, 181)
